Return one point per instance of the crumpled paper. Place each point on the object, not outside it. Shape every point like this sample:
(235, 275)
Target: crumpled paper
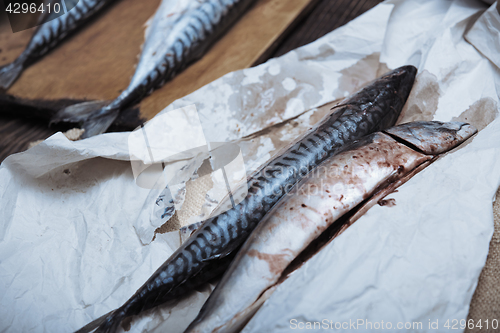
(414, 267)
(70, 241)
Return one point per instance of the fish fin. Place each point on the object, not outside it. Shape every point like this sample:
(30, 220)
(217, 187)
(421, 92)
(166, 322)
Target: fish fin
(9, 73)
(111, 322)
(94, 119)
(99, 125)
(227, 251)
(188, 230)
(94, 324)
(77, 113)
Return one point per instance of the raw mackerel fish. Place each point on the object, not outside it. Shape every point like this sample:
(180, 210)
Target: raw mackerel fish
(181, 32)
(49, 35)
(374, 108)
(334, 188)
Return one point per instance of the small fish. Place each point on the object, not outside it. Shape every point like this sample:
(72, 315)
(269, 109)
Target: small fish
(372, 109)
(50, 34)
(337, 186)
(180, 33)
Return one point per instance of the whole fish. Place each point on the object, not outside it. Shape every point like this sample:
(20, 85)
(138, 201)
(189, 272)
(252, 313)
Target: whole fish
(48, 35)
(181, 32)
(334, 188)
(372, 109)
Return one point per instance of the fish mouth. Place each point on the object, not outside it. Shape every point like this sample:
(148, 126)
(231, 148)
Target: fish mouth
(463, 130)
(406, 72)
(406, 76)
(398, 83)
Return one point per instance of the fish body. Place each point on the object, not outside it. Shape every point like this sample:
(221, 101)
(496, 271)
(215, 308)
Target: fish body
(372, 109)
(205, 275)
(181, 32)
(50, 34)
(334, 188)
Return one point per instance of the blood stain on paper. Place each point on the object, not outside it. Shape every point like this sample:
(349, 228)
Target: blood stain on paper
(126, 324)
(480, 113)
(387, 202)
(325, 53)
(265, 96)
(423, 100)
(358, 75)
(382, 69)
(276, 262)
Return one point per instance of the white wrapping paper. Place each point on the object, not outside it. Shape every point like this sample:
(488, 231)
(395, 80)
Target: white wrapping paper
(71, 231)
(412, 267)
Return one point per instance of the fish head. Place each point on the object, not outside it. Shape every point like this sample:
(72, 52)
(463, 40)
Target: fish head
(402, 78)
(399, 82)
(432, 137)
(389, 92)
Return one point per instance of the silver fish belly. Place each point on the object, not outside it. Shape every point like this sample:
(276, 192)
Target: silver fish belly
(372, 109)
(48, 36)
(180, 33)
(334, 188)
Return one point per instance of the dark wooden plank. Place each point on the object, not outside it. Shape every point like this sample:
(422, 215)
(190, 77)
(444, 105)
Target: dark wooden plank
(328, 15)
(24, 121)
(97, 61)
(16, 134)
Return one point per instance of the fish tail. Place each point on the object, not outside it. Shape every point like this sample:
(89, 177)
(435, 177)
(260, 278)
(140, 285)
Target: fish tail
(95, 117)
(111, 322)
(99, 125)
(94, 324)
(9, 73)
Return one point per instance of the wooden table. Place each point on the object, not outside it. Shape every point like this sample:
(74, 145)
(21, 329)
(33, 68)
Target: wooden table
(327, 15)
(16, 132)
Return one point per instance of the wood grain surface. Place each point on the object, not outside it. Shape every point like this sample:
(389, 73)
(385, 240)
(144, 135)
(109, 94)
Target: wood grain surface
(98, 61)
(15, 134)
(324, 17)
(107, 59)
(252, 36)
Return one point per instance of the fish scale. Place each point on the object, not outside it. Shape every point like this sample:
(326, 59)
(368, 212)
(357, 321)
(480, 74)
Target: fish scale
(213, 241)
(345, 186)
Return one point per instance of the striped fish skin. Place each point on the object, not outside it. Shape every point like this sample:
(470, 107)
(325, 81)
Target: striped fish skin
(177, 37)
(48, 36)
(206, 275)
(372, 109)
(337, 186)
